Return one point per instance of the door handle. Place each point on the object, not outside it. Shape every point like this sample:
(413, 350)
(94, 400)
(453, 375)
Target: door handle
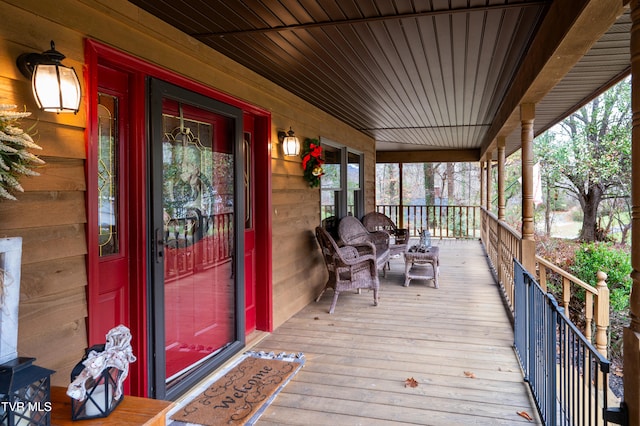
(159, 243)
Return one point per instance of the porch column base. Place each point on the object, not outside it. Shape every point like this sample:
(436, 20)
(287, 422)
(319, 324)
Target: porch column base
(631, 343)
(529, 256)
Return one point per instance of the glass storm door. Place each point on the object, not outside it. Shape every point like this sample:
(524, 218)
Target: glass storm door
(195, 146)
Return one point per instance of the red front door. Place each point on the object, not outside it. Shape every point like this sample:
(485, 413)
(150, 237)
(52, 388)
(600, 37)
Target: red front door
(198, 241)
(198, 204)
(161, 260)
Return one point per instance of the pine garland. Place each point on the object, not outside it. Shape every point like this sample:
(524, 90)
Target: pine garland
(15, 159)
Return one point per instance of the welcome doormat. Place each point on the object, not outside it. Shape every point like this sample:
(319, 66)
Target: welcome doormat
(244, 392)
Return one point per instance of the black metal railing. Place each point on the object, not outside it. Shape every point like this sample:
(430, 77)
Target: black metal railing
(568, 377)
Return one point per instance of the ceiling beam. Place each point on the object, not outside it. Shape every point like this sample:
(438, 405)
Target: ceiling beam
(434, 156)
(532, 3)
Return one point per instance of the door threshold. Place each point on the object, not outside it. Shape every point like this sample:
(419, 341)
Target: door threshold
(254, 338)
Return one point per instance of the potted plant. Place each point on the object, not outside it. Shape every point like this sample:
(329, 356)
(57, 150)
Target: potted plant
(15, 159)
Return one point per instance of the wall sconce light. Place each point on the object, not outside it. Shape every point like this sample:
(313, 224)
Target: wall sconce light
(56, 87)
(290, 144)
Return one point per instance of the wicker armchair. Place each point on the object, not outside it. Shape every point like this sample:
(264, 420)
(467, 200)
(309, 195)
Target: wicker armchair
(349, 267)
(353, 232)
(376, 221)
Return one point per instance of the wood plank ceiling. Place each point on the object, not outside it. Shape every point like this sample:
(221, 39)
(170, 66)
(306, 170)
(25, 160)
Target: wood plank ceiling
(414, 75)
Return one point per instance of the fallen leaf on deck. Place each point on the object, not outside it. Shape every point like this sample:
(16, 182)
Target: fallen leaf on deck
(525, 415)
(470, 374)
(316, 318)
(411, 382)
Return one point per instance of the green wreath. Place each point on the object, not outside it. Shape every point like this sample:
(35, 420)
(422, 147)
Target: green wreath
(312, 162)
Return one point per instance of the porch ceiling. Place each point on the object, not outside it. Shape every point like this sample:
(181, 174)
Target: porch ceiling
(441, 75)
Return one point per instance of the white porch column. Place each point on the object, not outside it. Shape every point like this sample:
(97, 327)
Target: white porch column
(631, 337)
(527, 116)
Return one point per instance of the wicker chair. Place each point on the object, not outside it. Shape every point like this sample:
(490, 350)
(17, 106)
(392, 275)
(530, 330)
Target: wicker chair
(349, 267)
(376, 221)
(331, 225)
(353, 232)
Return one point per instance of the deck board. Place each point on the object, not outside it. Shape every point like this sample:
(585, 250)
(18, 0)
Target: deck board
(358, 359)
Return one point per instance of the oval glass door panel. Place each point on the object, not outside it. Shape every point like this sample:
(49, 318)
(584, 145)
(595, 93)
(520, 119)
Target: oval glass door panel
(198, 218)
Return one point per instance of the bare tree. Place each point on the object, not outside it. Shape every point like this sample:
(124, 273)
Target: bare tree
(592, 153)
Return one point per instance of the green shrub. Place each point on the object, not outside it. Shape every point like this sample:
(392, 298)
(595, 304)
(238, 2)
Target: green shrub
(615, 262)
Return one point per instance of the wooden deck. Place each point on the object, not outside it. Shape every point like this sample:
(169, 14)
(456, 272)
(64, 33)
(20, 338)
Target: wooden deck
(357, 360)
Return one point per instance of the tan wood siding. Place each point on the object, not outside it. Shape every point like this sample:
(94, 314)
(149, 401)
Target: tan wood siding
(51, 215)
(61, 174)
(37, 209)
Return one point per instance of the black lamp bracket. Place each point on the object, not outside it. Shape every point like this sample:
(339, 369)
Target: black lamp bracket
(27, 61)
(282, 134)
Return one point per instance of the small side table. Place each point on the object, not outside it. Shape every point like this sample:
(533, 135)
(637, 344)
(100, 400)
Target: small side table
(422, 265)
(132, 410)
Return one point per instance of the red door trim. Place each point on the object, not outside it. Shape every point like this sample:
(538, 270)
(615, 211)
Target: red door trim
(91, 171)
(262, 199)
(139, 316)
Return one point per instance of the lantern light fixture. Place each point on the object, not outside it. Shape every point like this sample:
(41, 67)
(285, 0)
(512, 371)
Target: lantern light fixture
(96, 386)
(56, 87)
(290, 143)
(101, 393)
(25, 393)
